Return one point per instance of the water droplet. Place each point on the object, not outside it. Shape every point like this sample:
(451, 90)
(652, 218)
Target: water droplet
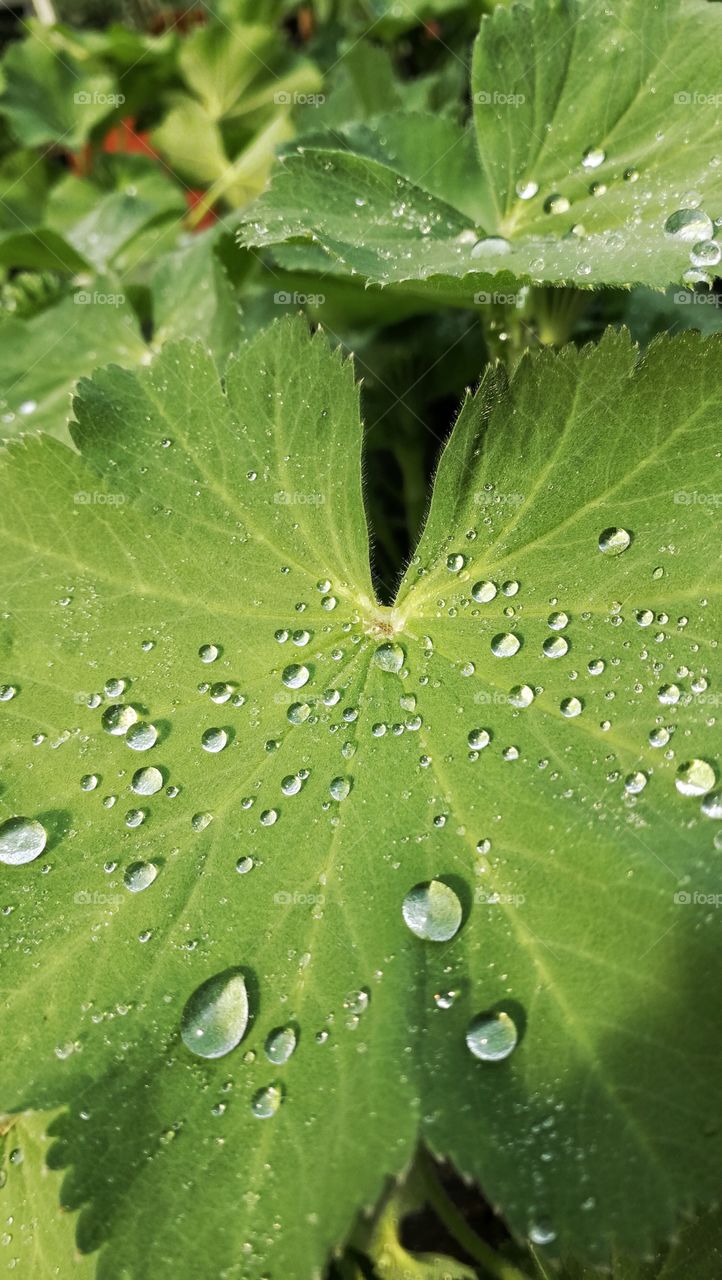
(340, 788)
(706, 253)
(21, 840)
(208, 652)
(432, 911)
(148, 781)
(291, 784)
(570, 707)
(522, 695)
(141, 736)
(669, 695)
(596, 666)
(455, 563)
(492, 1036)
(689, 224)
(695, 778)
(215, 1017)
(298, 712)
(478, 739)
(505, 644)
(445, 999)
(200, 821)
(555, 646)
(134, 818)
(7, 691)
(712, 805)
(556, 203)
(118, 719)
(613, 541)
(265, 1102)
(558, 621)
(269, 817)
(491, 245)
(526, 190)
(244, 865)
(214, 740)
(389, 656)
(89, 781)
(635, 782)
(542, 1232)
(139, 875)
(593, 157)
(483, 592)
(280, 1044)
(295, 676)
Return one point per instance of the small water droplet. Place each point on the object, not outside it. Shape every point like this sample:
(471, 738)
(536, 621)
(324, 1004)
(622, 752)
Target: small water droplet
(141, 736)
(214, 740)
(505, 644)
(613, 541)
(483, 592)
(280, 1045)
(432, 911)
(265, 1102)
(492, 1036)
(689, 224)
(296, 675)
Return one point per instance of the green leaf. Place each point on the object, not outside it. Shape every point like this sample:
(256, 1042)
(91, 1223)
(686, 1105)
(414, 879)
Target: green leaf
(600, 184)
(40, 1237)
(52, 98)
(205, 514)
(44, 357)
(193, 298)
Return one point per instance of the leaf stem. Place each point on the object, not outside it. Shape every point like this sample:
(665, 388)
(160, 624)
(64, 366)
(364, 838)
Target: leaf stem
(457, 1226)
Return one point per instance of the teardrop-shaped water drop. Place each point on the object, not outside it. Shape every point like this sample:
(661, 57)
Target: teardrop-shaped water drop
(280, 1044)
(215, 1017)
(613, 541)
(265, 1102)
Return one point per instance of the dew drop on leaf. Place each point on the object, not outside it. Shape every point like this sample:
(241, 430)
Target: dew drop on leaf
(295, 676)
(389, 656)
(689, 224)
(695, 778)
(280, 1044)
(613, 541)
(483, 592)
(555, 646)
(139, 875)
(522, 695)
(340, 788)
(492, 1036)
(141, 736)
(148, 781)
(265, 1102)
(215, 1017)
(432, 911)
(21, 840)
(505, 644)
(118, 718)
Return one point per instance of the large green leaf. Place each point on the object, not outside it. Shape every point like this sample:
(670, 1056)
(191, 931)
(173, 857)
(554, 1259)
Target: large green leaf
(199, 514)
(579, 154)
(51, 97)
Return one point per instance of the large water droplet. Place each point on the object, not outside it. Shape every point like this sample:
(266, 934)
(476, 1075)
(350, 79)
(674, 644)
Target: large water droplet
(215, 1017)
(555, 646)
(118, 719)
(689, 224)
(593, 157)
(492, 1036)
(695, 778)
(613, 541)
(296, 675)
(141, 736)
(139, 875)
(432, 911)
(389, 657)
(21, 840)
(483, 592)
(146, 782)
(340, 788)
(214, 740)
(505, 644)
(265, 1102)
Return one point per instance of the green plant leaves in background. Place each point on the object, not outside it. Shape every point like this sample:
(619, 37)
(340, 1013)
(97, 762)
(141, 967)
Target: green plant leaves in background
(204, 563)
(561, 189)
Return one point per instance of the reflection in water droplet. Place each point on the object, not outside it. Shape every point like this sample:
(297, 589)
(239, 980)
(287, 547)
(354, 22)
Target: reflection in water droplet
(214, 740)
(483, 592)
(556, 203)
(141, 736)
(555, 646)
(695, 778)
(635, 782)
(146, 782)
(478, 739)
(689, 224)
(712, 805)
(570, 707)
(432, 911)
(208, 652)
(21, 840)
(265, 1102)
(613, 541)
(389, 657)
(522, 695)
(139, 875)
(492, 1036)
(118, 719)
(89, 781)
(280, 1044)
(295, 676)
(505, 644)
(340, 788)
(215, 1017)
